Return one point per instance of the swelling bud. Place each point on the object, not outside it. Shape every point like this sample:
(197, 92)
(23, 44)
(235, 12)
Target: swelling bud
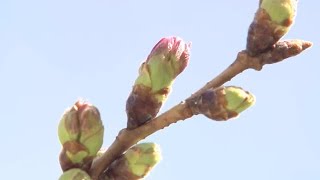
(80, 132)
(166, 61)
(272, 20)
(222, 103)
(136, 163)
(75, 174)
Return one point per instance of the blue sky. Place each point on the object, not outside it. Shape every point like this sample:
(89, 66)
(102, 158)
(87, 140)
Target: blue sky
(54, 52)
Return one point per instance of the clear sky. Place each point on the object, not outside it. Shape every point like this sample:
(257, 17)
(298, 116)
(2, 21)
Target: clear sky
(54, 52)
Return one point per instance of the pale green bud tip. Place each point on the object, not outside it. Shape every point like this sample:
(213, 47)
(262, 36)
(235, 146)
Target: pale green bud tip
(238, 99)
(280, 11)
(142, 157)
(75, 174)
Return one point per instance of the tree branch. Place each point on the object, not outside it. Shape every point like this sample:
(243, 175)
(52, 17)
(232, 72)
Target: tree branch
(127, 138)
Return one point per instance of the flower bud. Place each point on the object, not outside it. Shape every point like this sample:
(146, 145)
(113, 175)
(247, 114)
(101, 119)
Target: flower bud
(167, 60)
(222, 103)
(136, 163)
(272, 21)
(91, 129)
(75, 174)
(74, 155)
(80, 132)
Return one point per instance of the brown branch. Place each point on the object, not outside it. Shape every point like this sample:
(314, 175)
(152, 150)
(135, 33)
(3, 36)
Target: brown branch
(128, 138)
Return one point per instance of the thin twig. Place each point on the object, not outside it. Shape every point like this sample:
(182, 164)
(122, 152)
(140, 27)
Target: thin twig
(127, 138)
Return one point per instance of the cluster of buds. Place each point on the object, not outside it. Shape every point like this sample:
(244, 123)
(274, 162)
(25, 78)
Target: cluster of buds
(136, 163)
(75, 174)
(80, 132)
(272, 20)
(167, 60)
(221, 103)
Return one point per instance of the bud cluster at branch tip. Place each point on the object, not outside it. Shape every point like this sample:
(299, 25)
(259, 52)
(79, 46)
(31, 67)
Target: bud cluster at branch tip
(272, 20)
(167, 60)
(80, 132)
(222, 103)
(75, 174)
(136, 163)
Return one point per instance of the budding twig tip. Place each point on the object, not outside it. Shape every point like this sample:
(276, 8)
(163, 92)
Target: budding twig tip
(306, 44)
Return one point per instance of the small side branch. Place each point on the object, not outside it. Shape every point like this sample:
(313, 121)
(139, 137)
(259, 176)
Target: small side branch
(127, 138)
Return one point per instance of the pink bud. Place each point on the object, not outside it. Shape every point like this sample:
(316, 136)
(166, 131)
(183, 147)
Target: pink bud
(173, 49)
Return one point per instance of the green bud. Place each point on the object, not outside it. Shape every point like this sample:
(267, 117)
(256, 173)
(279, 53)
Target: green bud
(237, 99)
(222, 103)
(91, 129)
(68, 129)
(136, 163)
(75, 174)
(272, 21)
(80, 132)
(280, 11)
(142, 158)
(75, 151)
(75, 155)
(167, 60)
